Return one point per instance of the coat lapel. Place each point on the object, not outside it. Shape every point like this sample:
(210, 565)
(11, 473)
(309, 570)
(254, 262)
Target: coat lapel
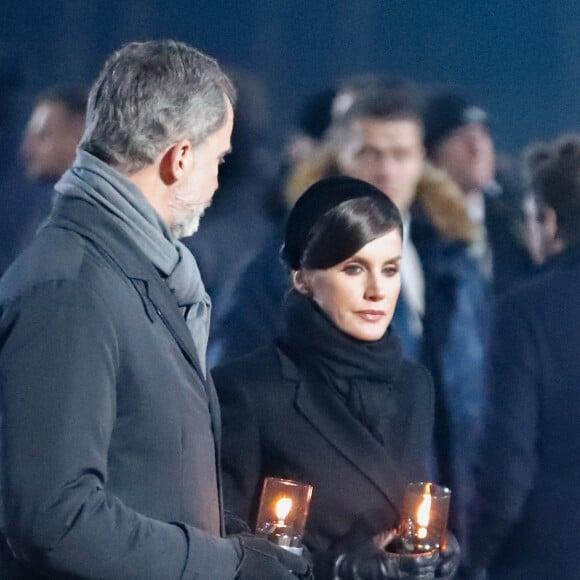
(156, 293)
(157, 299)
(331, 418)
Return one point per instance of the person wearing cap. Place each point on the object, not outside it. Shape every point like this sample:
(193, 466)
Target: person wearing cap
(332, 401)
(458, 139)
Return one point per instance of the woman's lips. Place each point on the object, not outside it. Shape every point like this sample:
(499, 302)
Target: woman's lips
(371, 315)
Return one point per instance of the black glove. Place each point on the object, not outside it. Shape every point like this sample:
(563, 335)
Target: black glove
(234, 524)
(261, 559)
(449, 558)
(371, 563)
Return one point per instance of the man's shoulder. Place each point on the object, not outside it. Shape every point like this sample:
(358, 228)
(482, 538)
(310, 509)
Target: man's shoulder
(55, 255)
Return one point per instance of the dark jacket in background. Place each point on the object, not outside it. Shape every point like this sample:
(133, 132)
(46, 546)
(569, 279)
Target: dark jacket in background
(109, 430)
(527, 508)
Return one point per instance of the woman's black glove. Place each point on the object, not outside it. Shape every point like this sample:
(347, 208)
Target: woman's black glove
(264, 560)
(449, 558)
(371, 563)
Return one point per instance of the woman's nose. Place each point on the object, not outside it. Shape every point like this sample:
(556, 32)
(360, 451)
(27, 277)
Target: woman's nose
(375, 287)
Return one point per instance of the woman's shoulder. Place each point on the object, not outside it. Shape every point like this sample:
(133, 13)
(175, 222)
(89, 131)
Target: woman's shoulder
(262, 363)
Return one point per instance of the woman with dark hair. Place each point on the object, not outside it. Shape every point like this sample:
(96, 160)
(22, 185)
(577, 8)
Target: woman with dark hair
(332, 402)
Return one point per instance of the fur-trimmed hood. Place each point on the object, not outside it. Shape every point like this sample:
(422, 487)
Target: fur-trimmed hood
(443, 204)
(440, 199)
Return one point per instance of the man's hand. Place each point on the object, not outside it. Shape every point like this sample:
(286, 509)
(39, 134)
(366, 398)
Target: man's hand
(266, 561)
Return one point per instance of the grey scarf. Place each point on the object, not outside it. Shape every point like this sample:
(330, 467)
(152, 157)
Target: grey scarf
(93, 180)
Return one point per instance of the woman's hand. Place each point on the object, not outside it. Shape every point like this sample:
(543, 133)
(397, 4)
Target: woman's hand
(374, 563)
(449, 558)
(384, 538)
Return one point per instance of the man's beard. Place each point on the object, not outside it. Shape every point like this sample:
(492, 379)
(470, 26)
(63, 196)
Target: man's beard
(186, 217)
(185, 226)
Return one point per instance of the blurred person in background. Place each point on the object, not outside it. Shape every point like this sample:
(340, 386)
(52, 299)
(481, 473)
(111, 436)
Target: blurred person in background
(541, 228)
(525, 516)
(243, 213)
(48, 149)
(248, 313)
(53, 131)
(458, 139)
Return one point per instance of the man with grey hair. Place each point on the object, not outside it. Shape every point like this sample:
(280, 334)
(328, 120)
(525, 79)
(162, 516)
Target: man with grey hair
(109, 449)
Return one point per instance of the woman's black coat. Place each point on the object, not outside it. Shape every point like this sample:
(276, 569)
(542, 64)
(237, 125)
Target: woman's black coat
(277, 423)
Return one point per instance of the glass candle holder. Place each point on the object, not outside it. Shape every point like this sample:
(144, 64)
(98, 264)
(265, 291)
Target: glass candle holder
(415, 566)
(283, 512)
(423, 517)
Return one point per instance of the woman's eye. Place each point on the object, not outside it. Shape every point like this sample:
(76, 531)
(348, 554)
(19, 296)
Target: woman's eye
(352, 269)
(391, 271)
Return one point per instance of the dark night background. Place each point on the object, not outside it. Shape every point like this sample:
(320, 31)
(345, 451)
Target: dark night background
(518, 59)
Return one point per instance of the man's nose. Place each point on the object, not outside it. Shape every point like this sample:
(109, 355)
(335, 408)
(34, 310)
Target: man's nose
(387, 165)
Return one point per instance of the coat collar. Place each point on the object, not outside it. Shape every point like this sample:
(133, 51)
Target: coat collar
(158, 301)
(330, 417)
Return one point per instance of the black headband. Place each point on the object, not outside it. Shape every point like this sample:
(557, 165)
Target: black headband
(315, 202)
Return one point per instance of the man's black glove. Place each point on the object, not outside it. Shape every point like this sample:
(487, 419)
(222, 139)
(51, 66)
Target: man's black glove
(371, 563)
(449, 558)
(234, 524)
(262, 560)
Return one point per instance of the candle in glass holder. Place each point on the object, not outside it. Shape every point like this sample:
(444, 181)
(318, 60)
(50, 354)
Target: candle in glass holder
(424, 517)
(283, 512)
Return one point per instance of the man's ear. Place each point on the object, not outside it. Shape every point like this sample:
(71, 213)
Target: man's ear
(550, 221)
(300, 282)
(553, 241)
(175, 161)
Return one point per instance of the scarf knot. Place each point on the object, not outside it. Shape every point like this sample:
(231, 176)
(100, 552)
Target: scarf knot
(363, 374)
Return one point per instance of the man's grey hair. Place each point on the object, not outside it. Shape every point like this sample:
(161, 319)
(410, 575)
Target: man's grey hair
(150, 95)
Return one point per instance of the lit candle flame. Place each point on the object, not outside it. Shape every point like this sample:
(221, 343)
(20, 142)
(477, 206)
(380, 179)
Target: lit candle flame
(423, 514)
(282, 509)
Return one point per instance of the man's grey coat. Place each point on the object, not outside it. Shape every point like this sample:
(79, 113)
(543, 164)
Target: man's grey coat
(109, 429)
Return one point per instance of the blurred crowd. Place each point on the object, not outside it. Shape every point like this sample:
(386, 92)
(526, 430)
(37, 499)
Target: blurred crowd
(475, 232)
